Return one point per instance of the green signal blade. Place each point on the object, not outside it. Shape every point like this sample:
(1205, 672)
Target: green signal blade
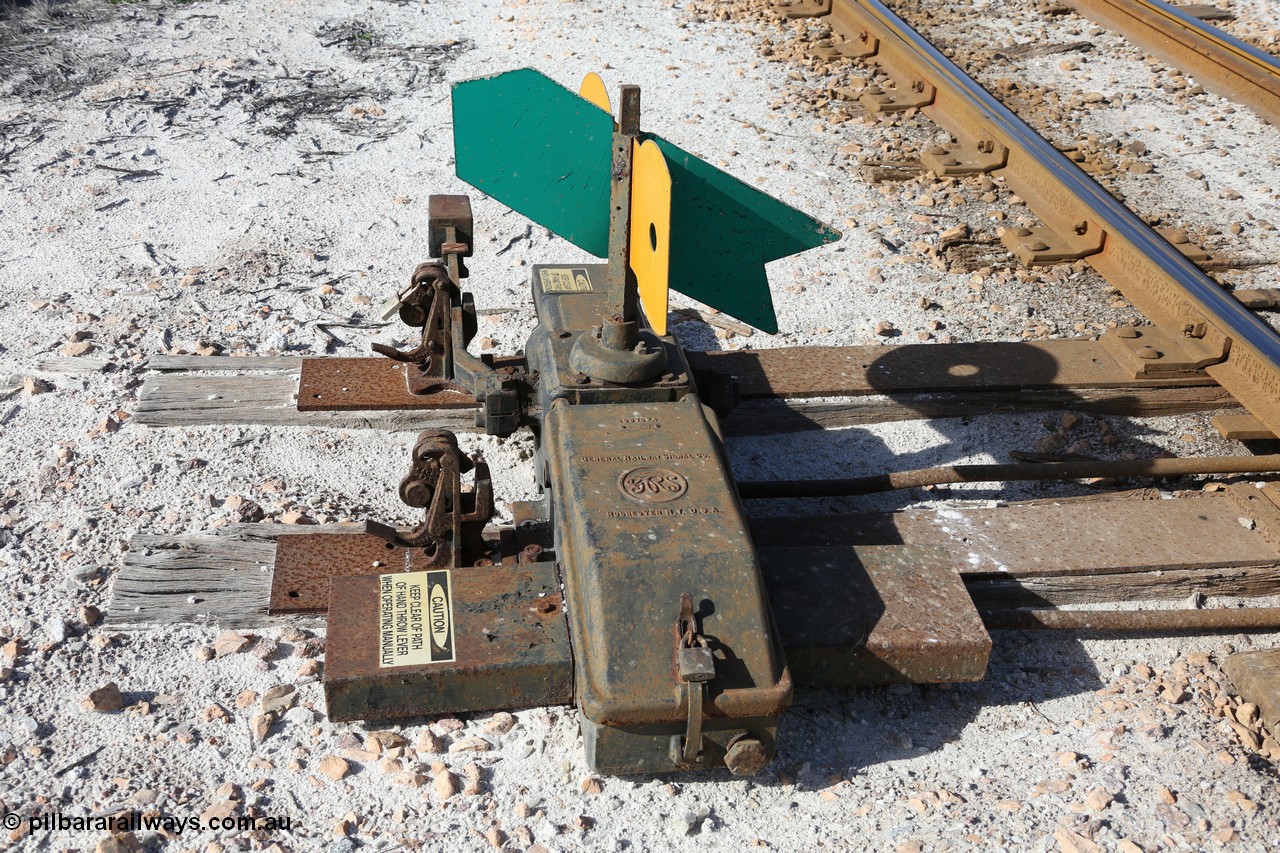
(538, 148)
(723, 232)
(545, 152)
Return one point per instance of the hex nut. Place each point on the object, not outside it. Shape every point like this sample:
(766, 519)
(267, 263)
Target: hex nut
(746, 757)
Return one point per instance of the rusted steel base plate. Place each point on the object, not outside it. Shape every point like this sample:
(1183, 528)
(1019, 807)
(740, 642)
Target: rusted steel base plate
(872, 615)
(1256, 676)
(306, 561)
(366, 384)
(506, 633)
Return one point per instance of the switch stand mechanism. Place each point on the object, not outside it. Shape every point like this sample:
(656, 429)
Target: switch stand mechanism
(434, 303)
(451, 533)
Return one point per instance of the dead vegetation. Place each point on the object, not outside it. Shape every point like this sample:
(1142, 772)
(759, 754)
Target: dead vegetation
(407, 65)
(39, 56)
(282, 103)
(46, 56)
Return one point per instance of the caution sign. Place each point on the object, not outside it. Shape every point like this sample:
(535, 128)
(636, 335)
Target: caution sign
(574, 280)
(415, 619)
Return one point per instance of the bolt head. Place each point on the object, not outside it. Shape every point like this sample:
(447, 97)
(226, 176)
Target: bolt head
(746, 757)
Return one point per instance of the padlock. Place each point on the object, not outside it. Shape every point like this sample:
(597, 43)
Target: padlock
(390, 306)
(696, 664)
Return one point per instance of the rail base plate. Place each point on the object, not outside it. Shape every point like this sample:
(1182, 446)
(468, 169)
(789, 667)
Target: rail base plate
(366, 384)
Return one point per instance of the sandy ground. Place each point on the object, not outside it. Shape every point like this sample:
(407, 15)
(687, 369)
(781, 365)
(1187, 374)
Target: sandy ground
(221, 176)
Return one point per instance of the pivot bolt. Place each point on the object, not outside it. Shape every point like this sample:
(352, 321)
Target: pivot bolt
(416, 494)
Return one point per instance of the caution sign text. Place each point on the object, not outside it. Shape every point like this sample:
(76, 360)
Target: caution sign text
(415, 619)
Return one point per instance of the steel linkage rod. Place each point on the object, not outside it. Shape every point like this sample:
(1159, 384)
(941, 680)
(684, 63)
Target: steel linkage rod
(1136, 621)
(1082, 469)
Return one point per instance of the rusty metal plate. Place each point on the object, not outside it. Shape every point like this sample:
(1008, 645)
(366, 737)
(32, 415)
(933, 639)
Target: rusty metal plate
(873, 615)
(366, 384)
(1087, 538)
(1256, 676)
(918, 368)
(306, 561)
(510, 648)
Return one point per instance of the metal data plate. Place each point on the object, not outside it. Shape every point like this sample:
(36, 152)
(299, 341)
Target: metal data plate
(366, 384)
(873, 615)
(508, 647)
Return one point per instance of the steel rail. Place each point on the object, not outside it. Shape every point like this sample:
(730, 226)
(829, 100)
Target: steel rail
(1159, 281)
(1227, 66)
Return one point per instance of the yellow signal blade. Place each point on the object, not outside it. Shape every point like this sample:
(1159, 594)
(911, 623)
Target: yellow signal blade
(594, 90)
(651, 230)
